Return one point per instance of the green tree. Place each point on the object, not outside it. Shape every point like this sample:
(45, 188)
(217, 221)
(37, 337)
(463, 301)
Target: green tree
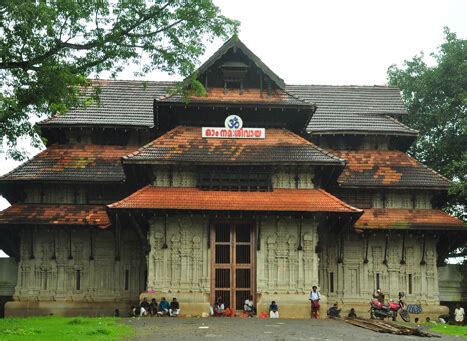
(436, 97)
(49, 49)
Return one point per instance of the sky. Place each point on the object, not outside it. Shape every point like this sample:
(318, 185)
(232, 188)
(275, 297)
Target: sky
(339, 42)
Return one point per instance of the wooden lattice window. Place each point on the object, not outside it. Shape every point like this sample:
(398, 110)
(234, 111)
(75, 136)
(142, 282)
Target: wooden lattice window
(244, 179)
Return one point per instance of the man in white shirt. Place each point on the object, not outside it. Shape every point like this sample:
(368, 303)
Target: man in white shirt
(249, 306)
(459, 315)
(314, 298)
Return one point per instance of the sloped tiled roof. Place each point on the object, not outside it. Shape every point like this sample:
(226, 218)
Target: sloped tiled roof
(380, 168)
(185, 144)
(121, 103)
(78, 162)
(188, 198)
(46, 214)
(358, 109)
(249, 96)
(392, 218)
(354, 109)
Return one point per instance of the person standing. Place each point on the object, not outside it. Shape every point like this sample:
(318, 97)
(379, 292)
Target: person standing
(459, 314)
(314, 298)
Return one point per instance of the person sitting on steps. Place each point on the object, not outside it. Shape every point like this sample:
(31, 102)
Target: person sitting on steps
(174, 308)
(273, 310)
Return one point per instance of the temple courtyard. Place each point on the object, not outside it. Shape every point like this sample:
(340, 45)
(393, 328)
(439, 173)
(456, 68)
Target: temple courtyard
(109, 328)
(259, 329)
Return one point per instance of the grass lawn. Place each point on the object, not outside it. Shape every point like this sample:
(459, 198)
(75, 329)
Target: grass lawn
(450, 330)
(63, 328)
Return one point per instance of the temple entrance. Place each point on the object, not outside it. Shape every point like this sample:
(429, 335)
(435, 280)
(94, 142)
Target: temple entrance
(233, 262)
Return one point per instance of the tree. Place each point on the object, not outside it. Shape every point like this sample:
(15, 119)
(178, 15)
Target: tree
(49, 49)
(436, 98)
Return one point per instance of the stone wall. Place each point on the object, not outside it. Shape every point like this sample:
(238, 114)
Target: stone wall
(95, 269)
(179, 261)
(287, 268)
(348, 279)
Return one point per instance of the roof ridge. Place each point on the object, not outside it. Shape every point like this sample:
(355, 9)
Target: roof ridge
(22, 165)
(149, 144)
(113, 205)
(400, 123)
(343, 203)
(348, 86)
(430, 169)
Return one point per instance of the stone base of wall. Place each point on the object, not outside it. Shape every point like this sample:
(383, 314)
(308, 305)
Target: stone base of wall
(191, 304)
(66, 308)
(291, 305)
(362, 310)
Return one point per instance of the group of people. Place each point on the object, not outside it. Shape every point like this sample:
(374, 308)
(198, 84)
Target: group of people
(163, 308)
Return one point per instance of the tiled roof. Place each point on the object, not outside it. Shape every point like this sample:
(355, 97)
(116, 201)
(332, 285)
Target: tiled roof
(42, 214)
(339, 108)
(78, 162)
(185, 144)
(355, 109)
(392, 218)
(233, 96)
(121, 103)
(379, 168)
(183, 198)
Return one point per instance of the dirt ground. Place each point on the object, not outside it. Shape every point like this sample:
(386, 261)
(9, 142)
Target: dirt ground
(259, 329)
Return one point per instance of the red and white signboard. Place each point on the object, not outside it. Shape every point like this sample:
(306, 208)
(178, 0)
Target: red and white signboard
(243, 133)
(233, 130)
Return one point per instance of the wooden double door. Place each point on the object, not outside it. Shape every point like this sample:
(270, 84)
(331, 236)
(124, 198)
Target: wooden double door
(233, 262)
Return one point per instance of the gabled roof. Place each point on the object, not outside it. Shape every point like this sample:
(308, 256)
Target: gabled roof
(185, 144)
(387, 168)
(121, 104)
(74, 163)
(188, 198)
(235, 43)
(49, 214)
(394, 218)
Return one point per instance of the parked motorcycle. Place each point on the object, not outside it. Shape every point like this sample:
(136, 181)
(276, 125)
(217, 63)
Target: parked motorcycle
(380, 311)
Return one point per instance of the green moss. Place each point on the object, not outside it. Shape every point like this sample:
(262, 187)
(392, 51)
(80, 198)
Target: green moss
(52, 328)
(450, 330)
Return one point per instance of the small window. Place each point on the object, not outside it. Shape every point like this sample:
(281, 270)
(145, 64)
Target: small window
(127, 279)
(377, 281)
(410, 280)
(331, 282)
(243, 179)
(78, 280)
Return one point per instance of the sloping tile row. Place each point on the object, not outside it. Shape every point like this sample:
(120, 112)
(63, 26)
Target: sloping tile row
(293, 200)
(380, 168)
(392, 218)
(185, 144)
(46, 214)
(78, 162)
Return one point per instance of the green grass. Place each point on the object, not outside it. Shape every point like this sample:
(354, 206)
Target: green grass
(450, 330)
(63, 328)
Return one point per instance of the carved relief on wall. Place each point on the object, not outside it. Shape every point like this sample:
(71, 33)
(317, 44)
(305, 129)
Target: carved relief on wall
(284, 268)
(53, 275)
(180, 266)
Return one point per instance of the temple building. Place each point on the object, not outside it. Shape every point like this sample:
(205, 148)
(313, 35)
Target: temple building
(256, 188)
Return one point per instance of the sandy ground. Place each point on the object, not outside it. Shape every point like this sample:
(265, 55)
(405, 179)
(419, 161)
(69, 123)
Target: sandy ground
(259, 329)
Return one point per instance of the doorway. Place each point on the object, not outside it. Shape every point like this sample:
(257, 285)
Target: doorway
(233, 262)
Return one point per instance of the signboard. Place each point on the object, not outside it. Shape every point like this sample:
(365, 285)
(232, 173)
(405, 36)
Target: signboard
(233, 130)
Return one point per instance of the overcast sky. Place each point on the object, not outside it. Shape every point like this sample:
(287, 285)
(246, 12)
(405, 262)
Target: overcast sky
(331, 42)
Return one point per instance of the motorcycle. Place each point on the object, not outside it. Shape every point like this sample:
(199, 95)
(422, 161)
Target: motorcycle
(381, 311)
